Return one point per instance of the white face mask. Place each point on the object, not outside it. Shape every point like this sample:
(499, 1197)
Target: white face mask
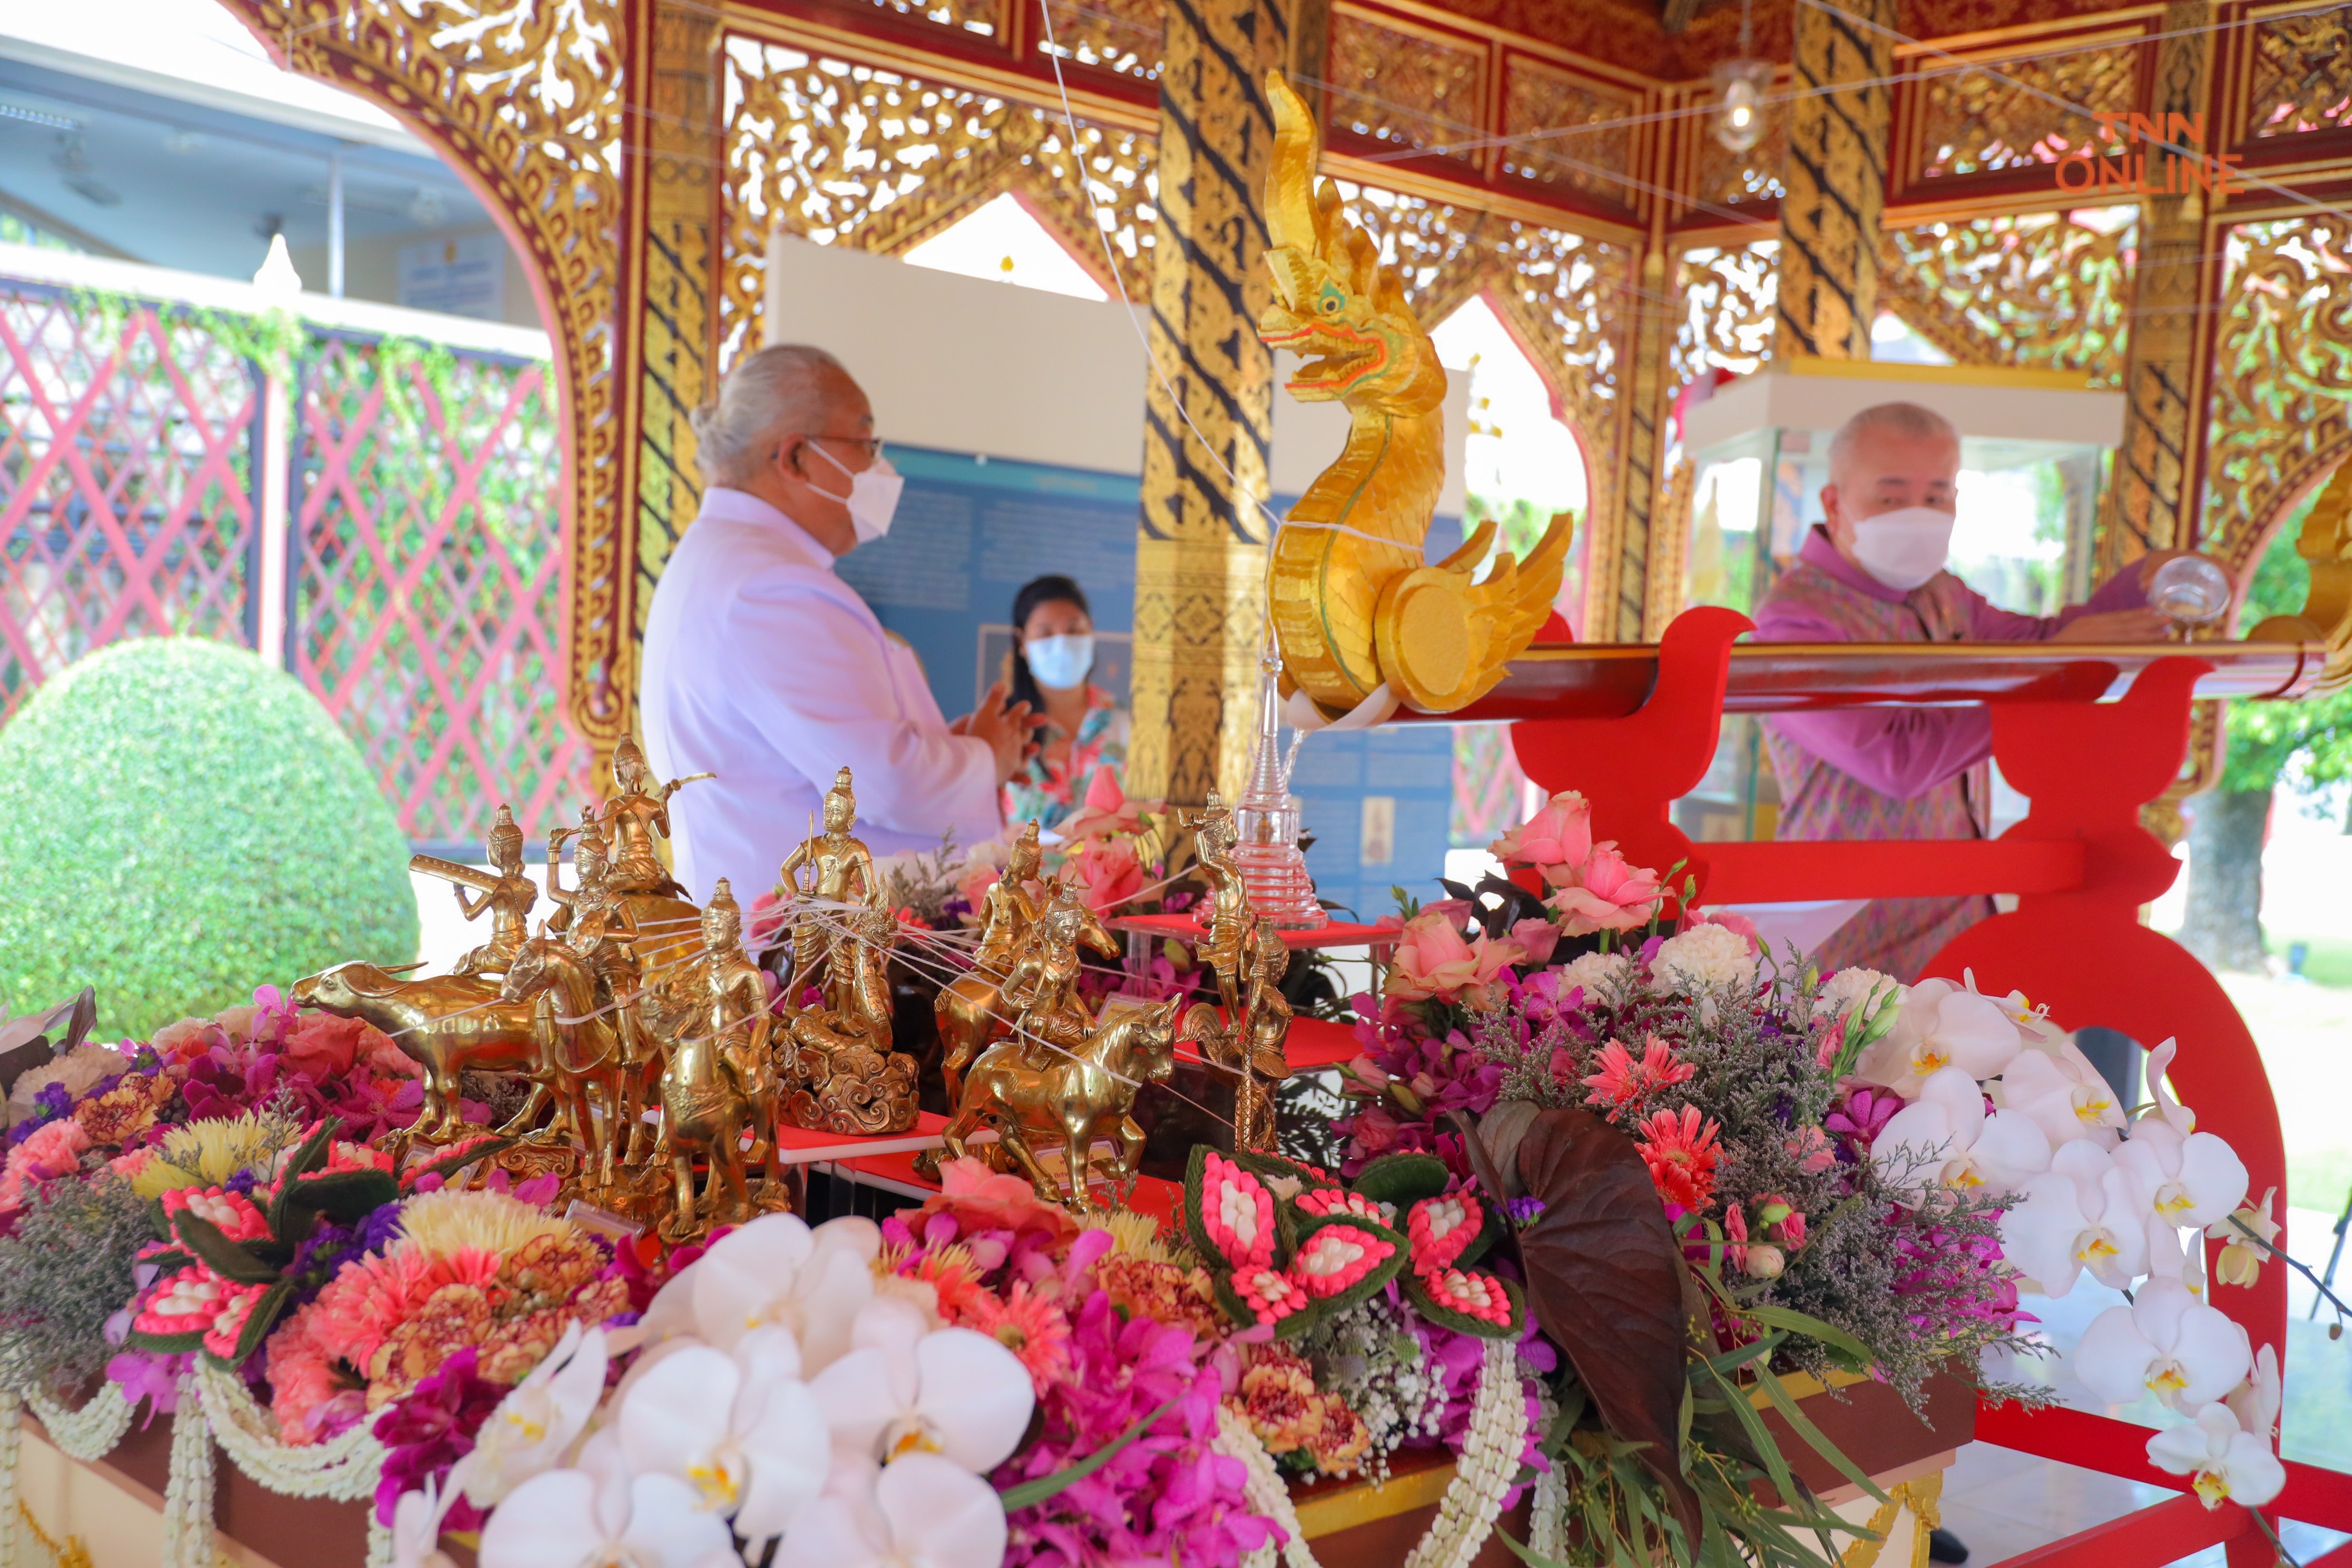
(1060, 662)
(1904, 548)
(873, 495)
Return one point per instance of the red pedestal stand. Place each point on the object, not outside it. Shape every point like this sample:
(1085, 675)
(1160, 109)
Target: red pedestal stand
(2081, 867)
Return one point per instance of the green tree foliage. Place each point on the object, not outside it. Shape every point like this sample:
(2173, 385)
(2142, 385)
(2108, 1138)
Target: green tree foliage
(180, 823)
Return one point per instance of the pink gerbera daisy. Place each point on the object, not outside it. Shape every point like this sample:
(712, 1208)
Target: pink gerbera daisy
(1622, 1080)
(1682, 1153)
(1028, 1325)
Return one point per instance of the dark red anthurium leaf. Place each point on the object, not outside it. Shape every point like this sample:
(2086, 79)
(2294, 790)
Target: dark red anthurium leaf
(1605, 1282)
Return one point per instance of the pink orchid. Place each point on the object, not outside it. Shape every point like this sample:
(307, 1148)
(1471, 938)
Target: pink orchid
(1608, 894)
(1556, 841)
(1107, 813)
(1436, 960)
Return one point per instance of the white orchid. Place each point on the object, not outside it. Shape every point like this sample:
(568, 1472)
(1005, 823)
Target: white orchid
(600, 1514)
(907, 1388)
(1941, 1025)
(1945, 1137)
(776, 1270)
(2085, 1213)
(539, 1417)
(2063, 1093)
(2241, 1262)
(2034, 1029)
(743, 1431)
(2168, 1344)
(922, 1511)
(417, 1522)
(2228, 1461)
(2191, 1178)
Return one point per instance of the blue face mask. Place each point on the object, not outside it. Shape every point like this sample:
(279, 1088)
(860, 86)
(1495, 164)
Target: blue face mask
(1060, 663)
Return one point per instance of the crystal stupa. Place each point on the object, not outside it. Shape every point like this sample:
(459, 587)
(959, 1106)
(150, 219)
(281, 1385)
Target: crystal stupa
(1273, 867)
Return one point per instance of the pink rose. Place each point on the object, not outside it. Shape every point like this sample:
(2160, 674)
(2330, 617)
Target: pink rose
(1608, 895)
(1556, 841)
(322, 1045)
(1436, 960)
(1537, 938)
(1108, 872)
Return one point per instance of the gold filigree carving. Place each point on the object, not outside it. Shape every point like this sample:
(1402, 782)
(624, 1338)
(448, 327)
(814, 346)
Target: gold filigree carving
(1725, 295)
(2048, 290)
(850, 154)
(2301, 76)
(1836, 175)
(1723, 182)
(1976, 120)
(526, 98)
(1556, 107)
(1124, 35)
(1405, 85)
(984, 17)
(2281, 410)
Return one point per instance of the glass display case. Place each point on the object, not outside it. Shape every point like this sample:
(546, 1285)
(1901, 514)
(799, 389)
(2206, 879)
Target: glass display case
(2035, 451)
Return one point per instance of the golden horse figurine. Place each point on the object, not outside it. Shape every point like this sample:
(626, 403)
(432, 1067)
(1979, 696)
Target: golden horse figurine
(552, 974)
(847, 1080)
(1355, 606)
(445, 1025)
(1072, 1099)
(718, 1078)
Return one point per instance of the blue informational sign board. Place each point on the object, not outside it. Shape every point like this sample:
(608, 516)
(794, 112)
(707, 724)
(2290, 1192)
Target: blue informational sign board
(970, 531)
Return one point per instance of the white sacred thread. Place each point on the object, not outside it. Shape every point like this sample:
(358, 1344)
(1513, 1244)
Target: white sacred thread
(90, 1432)
(1488, 1461)
(188, 1494)
(1264, 1491)
(345, 1468)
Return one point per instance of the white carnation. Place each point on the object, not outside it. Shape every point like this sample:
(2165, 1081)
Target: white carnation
(1600, 974)
(78, 1069)
(1704, 958)
(1850, 988)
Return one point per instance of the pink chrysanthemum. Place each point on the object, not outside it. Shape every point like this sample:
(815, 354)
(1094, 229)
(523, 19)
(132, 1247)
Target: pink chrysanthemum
(1682, 1153)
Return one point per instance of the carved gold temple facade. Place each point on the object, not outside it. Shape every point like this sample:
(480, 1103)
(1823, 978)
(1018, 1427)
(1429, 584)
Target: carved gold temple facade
(1556, 155)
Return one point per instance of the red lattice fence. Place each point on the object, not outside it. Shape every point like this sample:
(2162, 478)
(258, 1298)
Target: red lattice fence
(426, 574)
(423, 548)
(130, 440)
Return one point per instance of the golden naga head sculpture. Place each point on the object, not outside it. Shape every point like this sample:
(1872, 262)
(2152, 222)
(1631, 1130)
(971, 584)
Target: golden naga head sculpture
(1333, 300)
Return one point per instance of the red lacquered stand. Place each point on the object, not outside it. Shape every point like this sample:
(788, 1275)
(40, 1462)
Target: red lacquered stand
(2089, 735)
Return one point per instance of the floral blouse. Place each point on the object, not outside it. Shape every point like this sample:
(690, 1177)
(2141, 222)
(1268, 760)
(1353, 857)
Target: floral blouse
(1050, 791)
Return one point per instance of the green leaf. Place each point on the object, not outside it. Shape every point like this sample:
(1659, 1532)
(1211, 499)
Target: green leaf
(1399, 1253)
(1416, 1290)
(1029, 1494)
(225, 1258)
(308, 1156)
(1850, 1351)
(343, 1197)
(1799, 1423)
(449, 1164)
(1760, 1438)
(165, 1344)
(1732, 1361)
(1403, 1178)
(259, 1323)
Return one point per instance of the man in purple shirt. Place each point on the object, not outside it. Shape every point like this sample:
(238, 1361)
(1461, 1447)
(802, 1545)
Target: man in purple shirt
(1874, 572)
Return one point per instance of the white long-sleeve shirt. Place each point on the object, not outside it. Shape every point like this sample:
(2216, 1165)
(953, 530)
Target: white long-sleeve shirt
(763, 667)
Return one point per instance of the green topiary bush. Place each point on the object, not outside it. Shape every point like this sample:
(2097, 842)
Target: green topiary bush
(180, 823)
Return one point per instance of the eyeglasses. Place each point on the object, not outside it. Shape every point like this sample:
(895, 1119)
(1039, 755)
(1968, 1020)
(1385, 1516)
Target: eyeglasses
(871, 445)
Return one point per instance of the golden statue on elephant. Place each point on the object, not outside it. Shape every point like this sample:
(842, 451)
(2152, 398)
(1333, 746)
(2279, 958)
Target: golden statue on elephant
(1356, 606)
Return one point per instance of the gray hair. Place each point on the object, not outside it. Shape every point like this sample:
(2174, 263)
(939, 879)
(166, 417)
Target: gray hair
(1908, 419)
(775, 392)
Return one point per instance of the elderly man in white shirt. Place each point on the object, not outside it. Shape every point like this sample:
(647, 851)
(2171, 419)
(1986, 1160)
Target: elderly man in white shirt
(764, 668)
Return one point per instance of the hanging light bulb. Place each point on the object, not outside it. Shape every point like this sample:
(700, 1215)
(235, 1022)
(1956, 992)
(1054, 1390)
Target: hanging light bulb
(1739, 88)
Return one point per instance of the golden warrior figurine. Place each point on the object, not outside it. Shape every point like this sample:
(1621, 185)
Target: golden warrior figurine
(635, 818)
(1041, 992)
(508, 896)
(843, 872)
(847, 1080)
(1215, 836)
(718, 1080)
(969, 1006)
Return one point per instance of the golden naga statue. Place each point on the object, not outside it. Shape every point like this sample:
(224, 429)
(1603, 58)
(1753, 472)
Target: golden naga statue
(849, 1080)
(1071, 1101)
(1355, 607)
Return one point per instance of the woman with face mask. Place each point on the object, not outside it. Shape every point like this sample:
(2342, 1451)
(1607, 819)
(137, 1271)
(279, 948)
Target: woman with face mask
(1085, 729)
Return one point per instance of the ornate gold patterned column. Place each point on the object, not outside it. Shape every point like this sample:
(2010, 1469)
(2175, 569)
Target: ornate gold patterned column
(2152, 498)
(673, 172)
(1208, 404)
(1836, 179)
(1641, 545)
